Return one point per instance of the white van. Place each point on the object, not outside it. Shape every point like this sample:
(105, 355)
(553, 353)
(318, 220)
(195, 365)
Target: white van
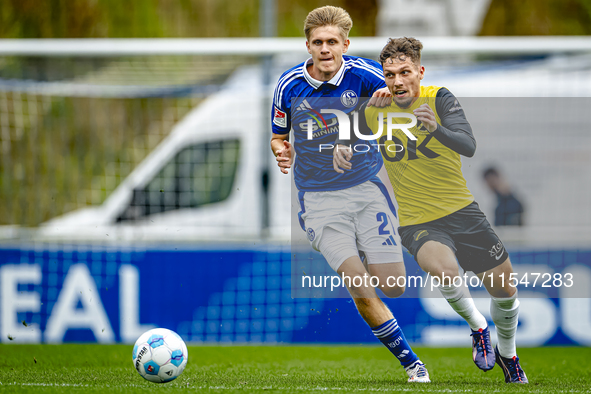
(203, 182)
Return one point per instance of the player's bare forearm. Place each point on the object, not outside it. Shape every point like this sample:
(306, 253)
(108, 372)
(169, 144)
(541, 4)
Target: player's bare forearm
(276, 144)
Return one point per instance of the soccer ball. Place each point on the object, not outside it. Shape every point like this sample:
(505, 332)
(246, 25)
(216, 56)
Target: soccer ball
(160, 355)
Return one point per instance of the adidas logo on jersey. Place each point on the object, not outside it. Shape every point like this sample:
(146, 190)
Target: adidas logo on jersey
(304, 106)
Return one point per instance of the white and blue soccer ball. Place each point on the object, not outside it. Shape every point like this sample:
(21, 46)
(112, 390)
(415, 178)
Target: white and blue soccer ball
(160, 355)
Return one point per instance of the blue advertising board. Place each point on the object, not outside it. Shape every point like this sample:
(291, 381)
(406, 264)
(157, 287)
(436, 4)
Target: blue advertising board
(56, 294)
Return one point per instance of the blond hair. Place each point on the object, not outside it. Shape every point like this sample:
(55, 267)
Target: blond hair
(328, 16)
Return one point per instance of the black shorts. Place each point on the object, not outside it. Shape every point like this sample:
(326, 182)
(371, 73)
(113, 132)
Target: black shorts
(466, 232)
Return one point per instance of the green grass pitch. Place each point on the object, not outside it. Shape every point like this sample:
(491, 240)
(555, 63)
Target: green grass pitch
(100, 368)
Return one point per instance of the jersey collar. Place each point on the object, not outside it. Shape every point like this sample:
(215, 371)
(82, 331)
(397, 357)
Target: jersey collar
(335, 81)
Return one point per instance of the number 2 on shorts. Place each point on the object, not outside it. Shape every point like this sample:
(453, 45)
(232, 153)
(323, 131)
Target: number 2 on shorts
(382, 217)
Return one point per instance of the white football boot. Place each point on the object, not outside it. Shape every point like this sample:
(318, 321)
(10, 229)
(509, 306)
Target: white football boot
(417, 373)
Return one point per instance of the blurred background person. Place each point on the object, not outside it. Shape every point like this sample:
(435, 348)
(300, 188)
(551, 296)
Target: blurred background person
(509, 210)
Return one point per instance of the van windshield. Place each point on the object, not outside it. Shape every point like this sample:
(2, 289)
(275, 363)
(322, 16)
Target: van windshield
(198, 175)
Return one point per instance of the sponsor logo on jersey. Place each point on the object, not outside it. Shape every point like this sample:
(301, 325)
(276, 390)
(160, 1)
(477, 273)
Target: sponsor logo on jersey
(311, 234)
(317, 122)
(280, 118)
(349, 98)
(322, 126)
(497, 250)
(420, 234)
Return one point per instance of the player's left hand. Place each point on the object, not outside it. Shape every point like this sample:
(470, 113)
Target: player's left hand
(381, 98)
(426, 115)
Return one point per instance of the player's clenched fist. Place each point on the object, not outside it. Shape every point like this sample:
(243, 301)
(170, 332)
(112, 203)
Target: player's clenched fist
(426, 115)
(341, 156)
(284, 157)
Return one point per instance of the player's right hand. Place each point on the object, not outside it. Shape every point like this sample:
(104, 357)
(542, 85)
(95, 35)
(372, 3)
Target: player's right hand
(283, 157)
(340, 158)
(381, 98)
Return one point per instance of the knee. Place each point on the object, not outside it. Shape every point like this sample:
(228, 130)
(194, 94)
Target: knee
(392, 285)
(394, 291)
(361, 291)
(502, 292)
(438, 260)
(444, 269)
(445, 274)
(501, 285)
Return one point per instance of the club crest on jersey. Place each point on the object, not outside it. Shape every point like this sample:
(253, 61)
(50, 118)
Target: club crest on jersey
(349, 98)
(280, 118)
(311, 234)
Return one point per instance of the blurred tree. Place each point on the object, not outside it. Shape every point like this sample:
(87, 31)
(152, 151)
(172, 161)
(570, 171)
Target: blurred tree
(537, 17)
(127, 19)
(163, 18)
(233, 18)
(60, 153)
(291, 15)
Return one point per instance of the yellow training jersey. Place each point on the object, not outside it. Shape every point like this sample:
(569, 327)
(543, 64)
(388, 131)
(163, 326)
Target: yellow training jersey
(426, 175)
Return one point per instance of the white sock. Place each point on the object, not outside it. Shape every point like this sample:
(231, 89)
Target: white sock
(505, 312)
(460, 300)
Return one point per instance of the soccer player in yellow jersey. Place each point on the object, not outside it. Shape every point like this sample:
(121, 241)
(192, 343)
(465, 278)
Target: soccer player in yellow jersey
(440, 221)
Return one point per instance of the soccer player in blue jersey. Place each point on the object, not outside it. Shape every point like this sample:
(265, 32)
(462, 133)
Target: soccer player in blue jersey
(342, 212)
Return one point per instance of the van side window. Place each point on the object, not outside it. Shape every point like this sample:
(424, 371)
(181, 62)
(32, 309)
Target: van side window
(198, 175)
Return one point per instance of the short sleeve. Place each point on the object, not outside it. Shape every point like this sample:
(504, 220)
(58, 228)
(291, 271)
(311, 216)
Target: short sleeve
(373, 76)
(280, 115)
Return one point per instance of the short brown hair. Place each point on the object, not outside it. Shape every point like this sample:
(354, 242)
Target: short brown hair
(402, 47)
(328, 16)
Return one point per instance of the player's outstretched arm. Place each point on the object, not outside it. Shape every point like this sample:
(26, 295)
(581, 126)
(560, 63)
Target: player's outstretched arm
(283, 151)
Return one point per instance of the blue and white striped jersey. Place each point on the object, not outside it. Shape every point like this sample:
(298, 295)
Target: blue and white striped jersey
(299, 97)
